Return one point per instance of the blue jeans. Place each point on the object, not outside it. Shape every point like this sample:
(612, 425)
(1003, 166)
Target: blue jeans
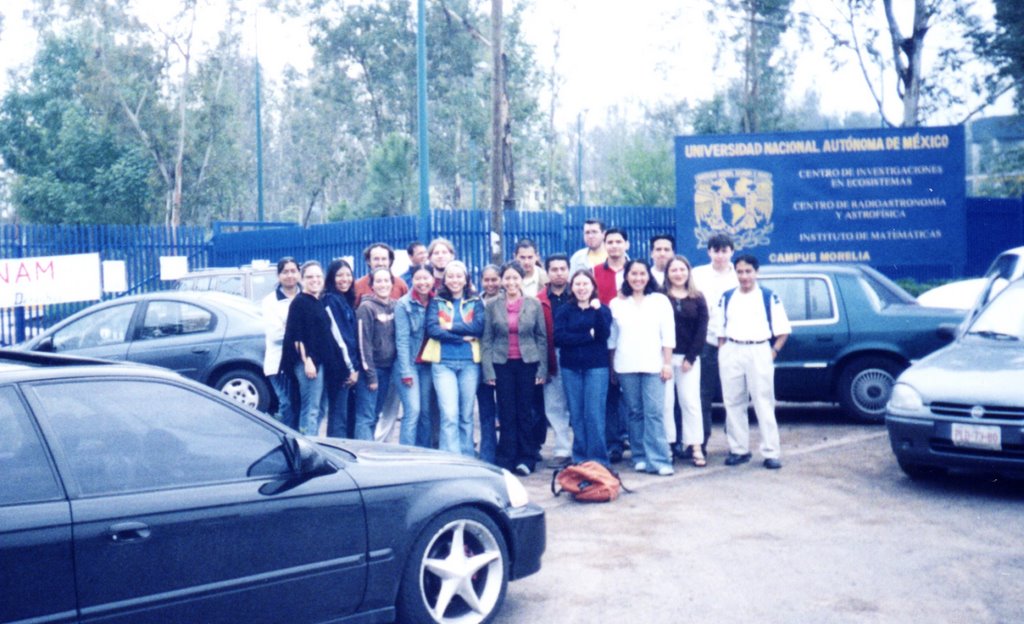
(455, 382)
(312, 398)
(644, 395)
(487, 405)
(586, 391)
(369, 402)
(415, 399)
(283, 388)
(337, 418)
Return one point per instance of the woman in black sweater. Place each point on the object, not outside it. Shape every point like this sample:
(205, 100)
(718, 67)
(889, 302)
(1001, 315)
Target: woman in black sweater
(691, 317)
(310, 352)
(581, 333)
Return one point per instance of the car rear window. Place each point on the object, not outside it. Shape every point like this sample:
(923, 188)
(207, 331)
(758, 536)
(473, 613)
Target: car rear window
(805, 298)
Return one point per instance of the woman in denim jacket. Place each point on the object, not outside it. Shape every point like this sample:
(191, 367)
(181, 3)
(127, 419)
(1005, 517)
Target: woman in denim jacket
(413, 380)
(455, 322)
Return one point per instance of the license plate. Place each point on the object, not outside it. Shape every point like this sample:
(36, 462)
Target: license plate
(977, 436)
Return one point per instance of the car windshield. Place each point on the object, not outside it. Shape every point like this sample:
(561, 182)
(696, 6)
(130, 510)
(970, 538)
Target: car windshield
(1002, 319)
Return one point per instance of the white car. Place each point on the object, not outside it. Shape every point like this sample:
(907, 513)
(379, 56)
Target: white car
(959, 295)
(973, 294)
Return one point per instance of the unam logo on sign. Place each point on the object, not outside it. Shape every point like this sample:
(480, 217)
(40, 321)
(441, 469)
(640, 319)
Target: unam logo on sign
(735, 201)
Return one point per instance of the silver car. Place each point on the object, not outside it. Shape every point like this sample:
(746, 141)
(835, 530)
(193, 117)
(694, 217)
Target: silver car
(963, 406)
(214, 338)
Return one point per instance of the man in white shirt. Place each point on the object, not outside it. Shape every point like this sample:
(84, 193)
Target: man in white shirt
(713, 280)
(752, 328)
(275, 315)
(663, 249)
(593, 253)
(535, 279)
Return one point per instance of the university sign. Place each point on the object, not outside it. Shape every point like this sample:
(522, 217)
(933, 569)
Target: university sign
(888, 197)
(49, 279)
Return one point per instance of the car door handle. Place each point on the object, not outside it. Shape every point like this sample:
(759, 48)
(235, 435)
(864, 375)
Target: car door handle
(824, 338)
(128, 532)
(200, 349)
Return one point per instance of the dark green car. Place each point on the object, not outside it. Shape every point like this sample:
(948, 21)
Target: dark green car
(854, 332)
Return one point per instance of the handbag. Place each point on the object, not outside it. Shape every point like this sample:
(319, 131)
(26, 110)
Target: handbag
(430, 351)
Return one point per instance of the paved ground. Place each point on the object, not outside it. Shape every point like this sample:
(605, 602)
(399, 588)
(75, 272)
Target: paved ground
(837, 535)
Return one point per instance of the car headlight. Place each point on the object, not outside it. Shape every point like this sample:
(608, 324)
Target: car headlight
(905, 399)
(517, 494)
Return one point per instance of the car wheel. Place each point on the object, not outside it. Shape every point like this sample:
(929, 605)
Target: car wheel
(865, 386)
(246, 387)
(457, 572)
(917, 472)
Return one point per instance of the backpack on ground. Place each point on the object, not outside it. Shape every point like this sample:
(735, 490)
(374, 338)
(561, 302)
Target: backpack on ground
(588, 482)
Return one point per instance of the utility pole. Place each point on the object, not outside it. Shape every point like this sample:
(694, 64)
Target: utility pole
(421, 100)
(579, 159)
(259, 126)
(498, 114)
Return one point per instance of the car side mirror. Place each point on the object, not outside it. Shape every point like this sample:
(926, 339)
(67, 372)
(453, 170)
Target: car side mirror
(45, 345)
(307, 460)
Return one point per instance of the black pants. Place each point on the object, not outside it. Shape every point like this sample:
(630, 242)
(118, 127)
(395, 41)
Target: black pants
(710, 386)
(515, 381)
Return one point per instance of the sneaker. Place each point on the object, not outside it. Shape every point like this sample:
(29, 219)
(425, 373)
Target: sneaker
(772, 463)
(640, 466)
(735, 459)
(523, 470)
(559, 462)
(666, 471)
(614, 456)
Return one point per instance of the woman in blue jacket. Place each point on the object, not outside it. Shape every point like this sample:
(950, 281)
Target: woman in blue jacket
(455, 322)
(339, 299)
(413, 379)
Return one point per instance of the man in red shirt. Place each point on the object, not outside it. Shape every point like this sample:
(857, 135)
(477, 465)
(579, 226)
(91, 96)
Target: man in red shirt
(379, 256)
(608, 274)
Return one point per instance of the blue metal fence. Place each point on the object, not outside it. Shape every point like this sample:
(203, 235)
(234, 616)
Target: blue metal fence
(139, 247)
(992, 226)
(469, 230)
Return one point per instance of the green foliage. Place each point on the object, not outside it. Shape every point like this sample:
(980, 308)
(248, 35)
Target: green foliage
(641, 174)
(1005, 47)
(71, 166)
(389, 182)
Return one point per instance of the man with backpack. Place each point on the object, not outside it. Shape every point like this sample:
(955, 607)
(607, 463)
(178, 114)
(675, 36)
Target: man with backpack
(752, 327)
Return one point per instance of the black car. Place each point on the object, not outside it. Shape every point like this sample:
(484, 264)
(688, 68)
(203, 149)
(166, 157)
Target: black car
(212, 337)
(134, 495)
(963, 406)
(854, 331)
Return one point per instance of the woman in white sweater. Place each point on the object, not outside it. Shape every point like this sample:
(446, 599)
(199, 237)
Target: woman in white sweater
(642, 339)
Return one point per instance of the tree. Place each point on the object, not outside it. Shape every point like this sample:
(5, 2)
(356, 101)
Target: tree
(756, 28)
(1004, 48)
(150, 120)
(881, 42)
(70, 162)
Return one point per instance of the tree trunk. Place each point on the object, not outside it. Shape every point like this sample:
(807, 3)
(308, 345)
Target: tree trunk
(907, 52)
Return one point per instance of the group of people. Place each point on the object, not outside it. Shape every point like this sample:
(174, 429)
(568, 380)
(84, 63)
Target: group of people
(611, 352)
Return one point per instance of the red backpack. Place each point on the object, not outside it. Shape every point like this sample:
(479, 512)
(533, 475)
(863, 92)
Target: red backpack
(588, 482)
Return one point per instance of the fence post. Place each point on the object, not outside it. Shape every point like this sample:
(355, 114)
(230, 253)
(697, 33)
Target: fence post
(19, 311)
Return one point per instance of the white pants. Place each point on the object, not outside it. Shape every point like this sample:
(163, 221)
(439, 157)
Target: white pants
(687, 387)
(557, 411)
(749, 371)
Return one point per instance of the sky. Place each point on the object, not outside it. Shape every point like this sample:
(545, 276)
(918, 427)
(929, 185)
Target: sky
(612, 56)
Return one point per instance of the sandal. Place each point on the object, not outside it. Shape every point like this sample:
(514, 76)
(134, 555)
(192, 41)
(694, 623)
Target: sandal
(698, 457)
